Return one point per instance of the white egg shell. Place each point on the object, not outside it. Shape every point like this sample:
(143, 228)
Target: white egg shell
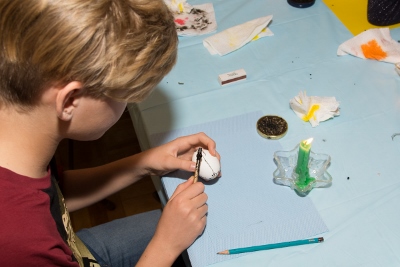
(209, 165)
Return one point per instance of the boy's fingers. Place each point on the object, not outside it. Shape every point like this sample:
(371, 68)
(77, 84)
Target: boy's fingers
(182, 187)
(182, 164)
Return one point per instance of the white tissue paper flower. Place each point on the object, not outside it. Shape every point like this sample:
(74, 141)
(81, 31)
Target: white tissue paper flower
(178, 6)
(314, 109)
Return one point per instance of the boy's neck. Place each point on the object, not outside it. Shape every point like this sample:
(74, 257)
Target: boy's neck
(27, 142)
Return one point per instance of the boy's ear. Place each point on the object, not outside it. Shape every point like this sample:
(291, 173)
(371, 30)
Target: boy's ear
(68, 99)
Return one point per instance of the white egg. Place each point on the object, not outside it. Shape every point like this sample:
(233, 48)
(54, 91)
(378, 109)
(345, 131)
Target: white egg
(209, 165)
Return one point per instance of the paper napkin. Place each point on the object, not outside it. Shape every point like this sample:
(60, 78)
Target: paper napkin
(178, 6)
(234, 38)
(192, 20)
(314, 109)
(375, 44)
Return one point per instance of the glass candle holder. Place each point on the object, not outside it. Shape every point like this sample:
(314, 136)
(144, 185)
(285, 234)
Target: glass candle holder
(285, 174)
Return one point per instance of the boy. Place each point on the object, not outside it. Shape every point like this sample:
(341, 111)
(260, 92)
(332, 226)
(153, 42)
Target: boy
(67, 70)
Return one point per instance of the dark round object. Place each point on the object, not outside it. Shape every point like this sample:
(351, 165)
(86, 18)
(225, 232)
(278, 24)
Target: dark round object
(272, 127)
(383, 12)
(301, 3)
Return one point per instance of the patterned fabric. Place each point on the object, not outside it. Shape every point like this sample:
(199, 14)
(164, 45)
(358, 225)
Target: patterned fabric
(80, 251)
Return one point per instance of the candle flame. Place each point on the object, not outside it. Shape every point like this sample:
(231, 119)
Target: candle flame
(308, 141)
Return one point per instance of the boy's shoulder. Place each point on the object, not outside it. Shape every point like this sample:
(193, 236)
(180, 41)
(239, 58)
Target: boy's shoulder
(14, 185)
(27, 228)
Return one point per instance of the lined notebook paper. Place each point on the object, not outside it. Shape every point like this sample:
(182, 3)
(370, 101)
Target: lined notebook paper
(245, 207)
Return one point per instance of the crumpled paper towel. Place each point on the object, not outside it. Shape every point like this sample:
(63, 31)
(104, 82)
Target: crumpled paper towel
(234, 38)
(192, 20)
(314, 109)
(178, 6)
(376, 44)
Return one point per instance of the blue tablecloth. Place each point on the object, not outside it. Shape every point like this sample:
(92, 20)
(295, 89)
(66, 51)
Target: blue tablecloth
(362, 207)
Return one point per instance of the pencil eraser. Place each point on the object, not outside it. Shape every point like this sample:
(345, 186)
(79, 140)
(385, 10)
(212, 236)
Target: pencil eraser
(232, 76)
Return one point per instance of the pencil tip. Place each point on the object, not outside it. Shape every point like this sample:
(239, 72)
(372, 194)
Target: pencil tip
(225, 252)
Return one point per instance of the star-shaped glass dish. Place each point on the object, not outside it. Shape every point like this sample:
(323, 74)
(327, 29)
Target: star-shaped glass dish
(286, 162)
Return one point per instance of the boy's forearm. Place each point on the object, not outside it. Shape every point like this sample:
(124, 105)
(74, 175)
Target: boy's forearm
(84, 187)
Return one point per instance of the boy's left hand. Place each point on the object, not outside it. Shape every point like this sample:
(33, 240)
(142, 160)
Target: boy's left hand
(177, 154)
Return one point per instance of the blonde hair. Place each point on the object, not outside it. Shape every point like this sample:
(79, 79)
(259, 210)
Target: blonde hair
(117, 48)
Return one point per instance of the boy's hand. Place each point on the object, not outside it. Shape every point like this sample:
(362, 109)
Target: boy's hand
(177, 154)
(183, 220)
(184, 216)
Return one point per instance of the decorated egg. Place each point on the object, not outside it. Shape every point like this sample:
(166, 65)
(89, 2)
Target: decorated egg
(209, 165)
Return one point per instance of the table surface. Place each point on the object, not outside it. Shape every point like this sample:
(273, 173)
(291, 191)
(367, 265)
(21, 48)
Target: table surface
(362, 207)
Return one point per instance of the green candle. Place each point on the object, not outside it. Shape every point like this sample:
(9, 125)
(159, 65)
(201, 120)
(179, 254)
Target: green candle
(302, 163)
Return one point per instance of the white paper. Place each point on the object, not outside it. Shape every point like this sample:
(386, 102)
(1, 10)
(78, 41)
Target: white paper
(234, 38)
(375, 44)
(194, 20)
(314, 109)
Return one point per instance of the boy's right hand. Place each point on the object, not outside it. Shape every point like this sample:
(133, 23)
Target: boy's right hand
(183, 219)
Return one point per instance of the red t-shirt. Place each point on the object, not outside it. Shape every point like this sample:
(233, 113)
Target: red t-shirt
(31, 227)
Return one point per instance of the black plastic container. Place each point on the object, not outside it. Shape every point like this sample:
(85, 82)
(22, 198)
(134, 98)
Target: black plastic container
(301, 3)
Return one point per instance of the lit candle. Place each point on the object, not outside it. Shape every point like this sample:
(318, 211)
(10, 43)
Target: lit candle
(302, 162)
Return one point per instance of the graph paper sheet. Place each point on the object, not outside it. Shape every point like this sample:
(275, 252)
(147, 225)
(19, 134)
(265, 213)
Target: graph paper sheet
(245, 207)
